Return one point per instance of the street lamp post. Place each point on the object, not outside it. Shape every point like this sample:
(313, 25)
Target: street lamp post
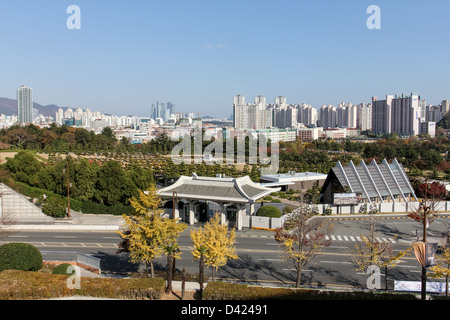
(424, 211)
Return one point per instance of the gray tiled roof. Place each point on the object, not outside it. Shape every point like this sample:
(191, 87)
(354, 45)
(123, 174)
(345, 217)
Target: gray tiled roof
(217, 189)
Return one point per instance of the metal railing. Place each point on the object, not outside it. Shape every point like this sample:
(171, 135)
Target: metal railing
(72, 256)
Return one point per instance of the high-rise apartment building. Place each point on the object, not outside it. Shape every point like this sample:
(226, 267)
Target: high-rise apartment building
(364, 121)
(400, 114)
(328, 116)
(435, 113)
(381, 115)
(307, 115)
(25, 105)
(251, 116)
(284, 115)
(347, 115)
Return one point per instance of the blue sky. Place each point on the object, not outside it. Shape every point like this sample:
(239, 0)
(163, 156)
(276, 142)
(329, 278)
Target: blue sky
(200, 53)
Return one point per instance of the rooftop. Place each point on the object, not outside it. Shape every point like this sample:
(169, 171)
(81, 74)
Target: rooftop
(294, 176)
(373, 180)
(217, 189)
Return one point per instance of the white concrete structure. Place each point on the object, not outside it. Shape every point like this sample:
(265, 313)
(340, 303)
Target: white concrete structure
(17, 209)
(192, 194)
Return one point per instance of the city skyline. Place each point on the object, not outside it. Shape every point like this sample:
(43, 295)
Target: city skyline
(200, 54)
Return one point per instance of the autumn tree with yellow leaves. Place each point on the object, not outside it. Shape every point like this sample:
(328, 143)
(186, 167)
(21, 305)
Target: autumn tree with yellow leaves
(146, 234)
(214, 245)
(371, 252)
(302, 237)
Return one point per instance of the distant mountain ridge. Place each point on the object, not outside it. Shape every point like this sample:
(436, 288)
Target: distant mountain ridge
(8, 107)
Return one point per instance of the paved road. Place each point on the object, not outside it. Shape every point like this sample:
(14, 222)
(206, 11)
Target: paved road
(259, 254)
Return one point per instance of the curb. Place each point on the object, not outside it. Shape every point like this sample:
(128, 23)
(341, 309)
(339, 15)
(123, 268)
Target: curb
(64, 227)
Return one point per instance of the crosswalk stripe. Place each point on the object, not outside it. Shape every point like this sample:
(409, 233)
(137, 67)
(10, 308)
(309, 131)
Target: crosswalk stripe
(355, 238)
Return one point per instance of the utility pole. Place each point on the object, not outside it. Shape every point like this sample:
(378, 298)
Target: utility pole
(68, 188)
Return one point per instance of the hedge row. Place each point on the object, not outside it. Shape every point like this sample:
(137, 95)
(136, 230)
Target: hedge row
(26, 285)
(231, 291)
(99, 208)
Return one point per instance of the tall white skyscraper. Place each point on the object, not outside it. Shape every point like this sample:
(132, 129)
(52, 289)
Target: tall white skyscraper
(364, 117)
(25, 105)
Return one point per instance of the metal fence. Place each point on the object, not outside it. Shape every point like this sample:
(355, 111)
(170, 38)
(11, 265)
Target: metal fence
(71, 256)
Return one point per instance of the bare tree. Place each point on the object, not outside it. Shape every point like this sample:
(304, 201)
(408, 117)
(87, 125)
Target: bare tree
(302, 236)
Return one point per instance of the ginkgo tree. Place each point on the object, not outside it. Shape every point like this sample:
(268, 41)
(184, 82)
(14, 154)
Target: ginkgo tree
(369, 251)
(214, 245)
(302, 236)
(146, 234)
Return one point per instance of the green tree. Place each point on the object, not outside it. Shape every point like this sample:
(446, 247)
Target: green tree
(86, 177)
(113, 184)
(24, 167)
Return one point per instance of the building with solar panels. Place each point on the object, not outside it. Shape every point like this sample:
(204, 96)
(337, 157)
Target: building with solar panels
(373, 183)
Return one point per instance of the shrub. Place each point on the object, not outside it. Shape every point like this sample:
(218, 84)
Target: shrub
(268, 198)
(62, 269)
(55, 207)
(269, 211)
(232, 291)
(20, 256)
(100, 208)
(288, 209)
(274, 194)
(18, 285)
